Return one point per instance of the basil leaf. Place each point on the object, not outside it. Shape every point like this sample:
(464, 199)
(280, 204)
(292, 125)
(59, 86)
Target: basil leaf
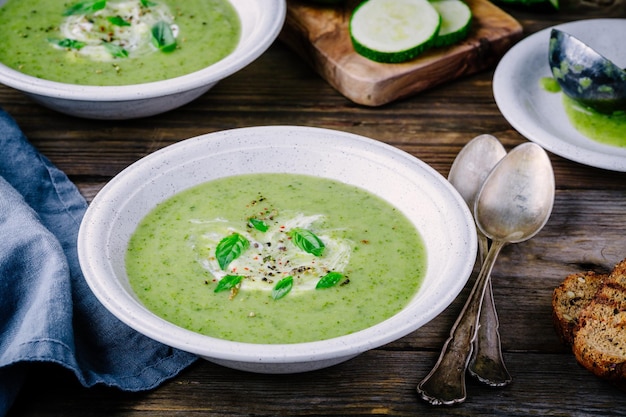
(307, 241)
(228, 282)
(116, 50)
(230, 248)
(282, 288)
(329, 280)
(147, 3)
(85, 7)
(259, 225)
(118, 21)
(67, 43)
(163, 37)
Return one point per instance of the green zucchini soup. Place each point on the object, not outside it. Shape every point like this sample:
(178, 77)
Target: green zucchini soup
(107, 43)
(275, 258)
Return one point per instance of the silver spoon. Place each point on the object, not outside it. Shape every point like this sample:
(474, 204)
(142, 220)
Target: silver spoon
(585, 75)
(513, 205)
(467, 174)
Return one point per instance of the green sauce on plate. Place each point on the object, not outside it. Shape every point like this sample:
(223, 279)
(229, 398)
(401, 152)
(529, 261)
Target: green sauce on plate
(603, 128)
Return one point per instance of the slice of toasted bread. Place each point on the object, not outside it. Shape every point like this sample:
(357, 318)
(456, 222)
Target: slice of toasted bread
(569, 298)
(600, 337)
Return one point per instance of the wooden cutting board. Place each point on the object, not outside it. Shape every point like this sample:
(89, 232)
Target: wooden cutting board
(319, 34)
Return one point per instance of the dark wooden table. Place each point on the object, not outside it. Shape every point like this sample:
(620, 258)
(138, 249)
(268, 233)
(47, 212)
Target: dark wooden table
(586, 231)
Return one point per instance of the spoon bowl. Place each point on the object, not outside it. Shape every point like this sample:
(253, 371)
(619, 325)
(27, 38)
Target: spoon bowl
(473, 164)
(517, 197)
(585, 75)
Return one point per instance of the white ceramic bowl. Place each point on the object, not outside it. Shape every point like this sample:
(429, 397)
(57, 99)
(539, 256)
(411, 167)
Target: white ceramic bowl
(426, 198)
(261, 22)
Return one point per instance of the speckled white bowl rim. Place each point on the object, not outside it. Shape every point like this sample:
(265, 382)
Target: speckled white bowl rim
(422, 194)
(261, 22)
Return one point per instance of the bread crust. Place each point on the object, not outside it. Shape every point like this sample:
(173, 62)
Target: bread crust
(570, 298)
(599, 339)
(589, 314)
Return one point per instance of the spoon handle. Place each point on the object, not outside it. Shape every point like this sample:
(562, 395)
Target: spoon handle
(445, 384)
(487, 363)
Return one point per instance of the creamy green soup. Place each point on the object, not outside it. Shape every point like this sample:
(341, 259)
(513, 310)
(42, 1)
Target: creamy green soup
(275, 258)
(115, 42)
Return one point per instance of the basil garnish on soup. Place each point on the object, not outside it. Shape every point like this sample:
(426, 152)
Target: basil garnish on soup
(120, 29)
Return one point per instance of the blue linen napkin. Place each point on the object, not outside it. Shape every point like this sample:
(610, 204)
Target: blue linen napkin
(47, 311)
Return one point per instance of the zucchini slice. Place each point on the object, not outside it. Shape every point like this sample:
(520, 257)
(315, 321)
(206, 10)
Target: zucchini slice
(392, 31)
(456, 21)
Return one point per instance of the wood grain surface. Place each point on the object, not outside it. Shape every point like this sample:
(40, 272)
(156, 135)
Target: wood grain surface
(587, 231)
(320, 34)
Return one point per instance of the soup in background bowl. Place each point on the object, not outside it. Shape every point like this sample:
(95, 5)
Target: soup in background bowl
(427, 201)
(102, 67)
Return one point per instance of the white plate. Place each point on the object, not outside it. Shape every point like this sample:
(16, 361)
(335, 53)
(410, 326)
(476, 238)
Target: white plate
(539, 115)
(423, 195)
